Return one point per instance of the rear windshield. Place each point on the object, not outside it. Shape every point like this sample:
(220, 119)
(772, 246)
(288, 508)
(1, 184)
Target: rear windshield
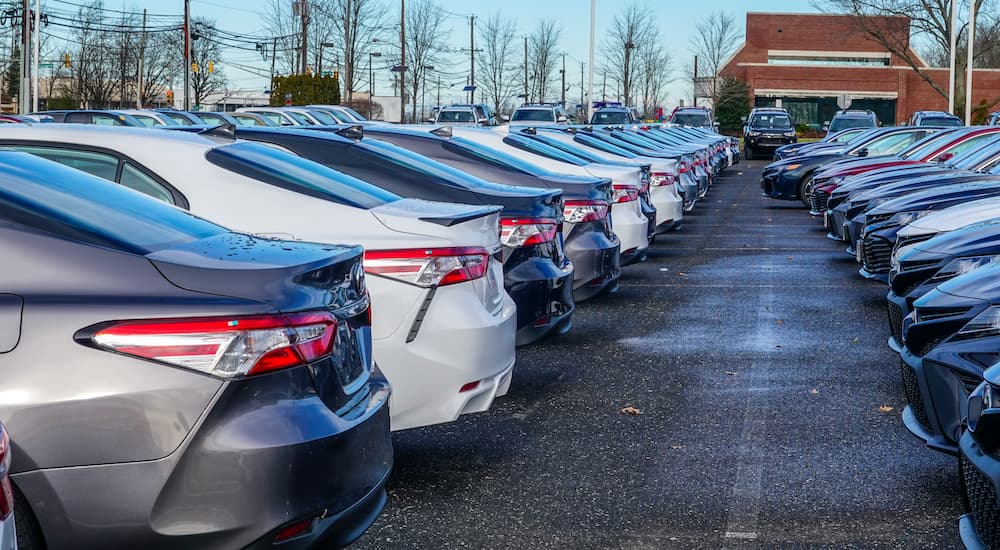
(844, 136)
(51, 197)
(456, 116)
(578, 151)
(778, 121)
(300, 118)
(532, 115)
(532, 146)
(844, 123)
(976, 157)
(357, 116)
(287, 171)
(177, 119)
(596, 143)
(928, 145)
(610, 117)
(324, 117)
(941, 121)
(690, 119)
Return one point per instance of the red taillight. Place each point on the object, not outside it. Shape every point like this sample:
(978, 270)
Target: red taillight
(6, 492)
(625, 193)
(585, 211)
(225, 346)
(429, 267)
(294, 530)
(684, 167)
(659, 179)
(527, 231)
(469, 387)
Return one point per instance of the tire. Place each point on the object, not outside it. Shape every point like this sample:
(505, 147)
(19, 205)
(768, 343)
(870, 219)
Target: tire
(805, 189)
(748, 153)
(29, 534)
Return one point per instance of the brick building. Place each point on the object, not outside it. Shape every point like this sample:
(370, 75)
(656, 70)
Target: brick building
(807, 62)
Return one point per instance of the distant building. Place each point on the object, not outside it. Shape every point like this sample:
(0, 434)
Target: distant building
(814, 64)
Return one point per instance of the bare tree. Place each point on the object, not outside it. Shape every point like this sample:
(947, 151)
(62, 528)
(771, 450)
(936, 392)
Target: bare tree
(929, 20)
(426, 37)
(279, 20)
(355, 33)
(630, 30)
(655, 69)
(495, 62)
(205, 54)
(715, 39)
(95, 75)
(543, 48)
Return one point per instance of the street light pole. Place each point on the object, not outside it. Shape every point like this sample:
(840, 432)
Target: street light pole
(371, 81)
(423, 91)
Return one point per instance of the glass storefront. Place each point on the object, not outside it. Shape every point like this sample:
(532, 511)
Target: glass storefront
(814, 111)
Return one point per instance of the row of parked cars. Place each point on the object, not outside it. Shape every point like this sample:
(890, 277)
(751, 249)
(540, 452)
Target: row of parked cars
(918, 207)
(209, 330)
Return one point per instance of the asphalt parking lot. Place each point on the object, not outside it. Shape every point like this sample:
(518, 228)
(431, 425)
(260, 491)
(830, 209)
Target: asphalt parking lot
(756, 358)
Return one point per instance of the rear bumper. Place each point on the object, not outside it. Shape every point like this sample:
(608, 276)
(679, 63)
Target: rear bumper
(632, 228)
(669, 207)
(459, 342)
(543, 294)
(268, 453)
(596, 261)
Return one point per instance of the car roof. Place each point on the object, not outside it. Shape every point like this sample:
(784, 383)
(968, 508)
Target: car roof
(122, 139)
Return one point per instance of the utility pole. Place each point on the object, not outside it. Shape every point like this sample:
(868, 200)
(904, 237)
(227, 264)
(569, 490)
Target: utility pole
(472, 58)
(582, 104)
(34, 57)
(563, 73)
(304, 14)
(695, 83)
(968, 65)
(954, 44)
(604, 85)
(627, 80)
(349, 60)
(187, 55)
(527, 99)
(402, 61)
(23, 89)
(274, 55)
(590, 88)
(439, 91)
(142, 62)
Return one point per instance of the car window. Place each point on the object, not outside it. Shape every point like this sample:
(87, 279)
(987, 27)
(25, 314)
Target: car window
(596, 143)
(102, 165)
(53, 198)
(455, 116)
(533, 115)
(697, 119)
(288, 171)
(842, 123)
(300, 118)
(776, 121)
(892, 143)
(246, 120)
(341, 117)
(134, 179)
(323, 117)
(177, 119)
(275, 118)
(927, 146)
(941, 121)
(610, 117)
(358, 116)
(578, 151)
(972, 144)
(539, 148)
(147, 121)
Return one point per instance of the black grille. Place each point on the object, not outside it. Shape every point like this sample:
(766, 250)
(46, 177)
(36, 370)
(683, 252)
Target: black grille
(930, 345)
(818, 201)
(913, 239)
(981, 497)
(969, 381)
(895, 321)
(877, 254)
(912, 391)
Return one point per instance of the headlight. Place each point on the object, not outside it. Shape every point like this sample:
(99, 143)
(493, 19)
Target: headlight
(961, 266)
(753, 133)
(985, 324)
(903, 218)
(789, 134)
(792, 166)
(834, 180)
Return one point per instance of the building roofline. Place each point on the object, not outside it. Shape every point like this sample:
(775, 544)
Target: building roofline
(797, 13)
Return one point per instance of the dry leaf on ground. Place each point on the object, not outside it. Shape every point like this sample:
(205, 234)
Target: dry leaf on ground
(629, 409)
(885, 409)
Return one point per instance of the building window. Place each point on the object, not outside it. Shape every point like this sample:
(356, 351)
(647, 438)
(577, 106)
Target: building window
(823, 60)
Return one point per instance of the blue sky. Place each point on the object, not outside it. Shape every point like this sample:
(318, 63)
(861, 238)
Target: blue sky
(677, 20)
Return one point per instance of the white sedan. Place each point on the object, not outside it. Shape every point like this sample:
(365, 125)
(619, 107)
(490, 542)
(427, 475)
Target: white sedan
(443, 327)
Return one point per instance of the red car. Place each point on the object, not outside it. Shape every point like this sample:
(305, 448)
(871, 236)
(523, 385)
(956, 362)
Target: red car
(938, 147)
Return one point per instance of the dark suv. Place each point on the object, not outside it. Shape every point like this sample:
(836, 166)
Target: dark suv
(767, 129)
(935, 118)
(698, 117)
(851, 119)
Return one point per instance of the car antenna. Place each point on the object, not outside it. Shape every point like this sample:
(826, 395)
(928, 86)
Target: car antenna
(355, 132)
(224, 131)
(442, 131)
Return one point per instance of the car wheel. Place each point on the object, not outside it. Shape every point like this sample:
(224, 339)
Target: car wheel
(806, 189)
(748, 153)
(29, 534)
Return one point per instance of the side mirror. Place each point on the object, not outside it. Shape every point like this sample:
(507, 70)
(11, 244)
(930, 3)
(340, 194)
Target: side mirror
(826, 123)
(826, 128)
(715, 125)
(863, 152)
(945, 157)
(561, 119)
(743, 119)
(504, 118)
